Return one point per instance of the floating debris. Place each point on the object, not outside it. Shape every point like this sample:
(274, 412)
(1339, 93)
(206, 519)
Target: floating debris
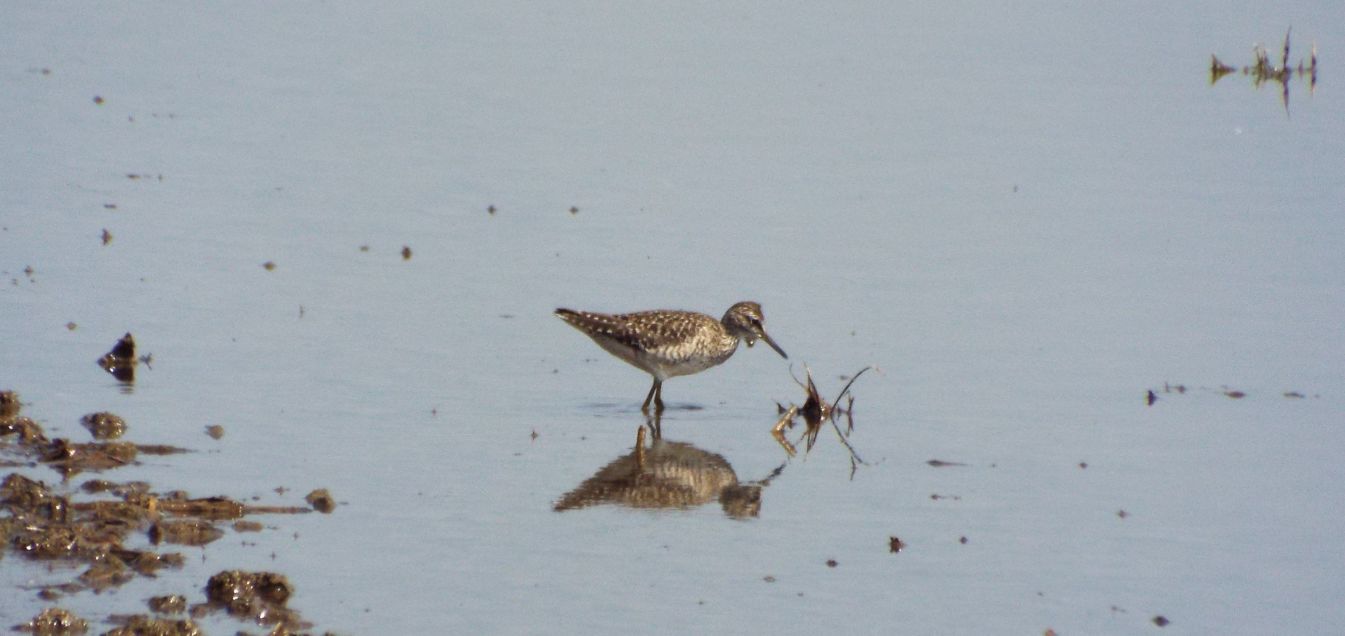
(831, 563)
(215, 431)
(269, 266)
(98, 99)
(939, 463)
(121, 360)
(406, 253)
(490, 209)
(71, 326)
(107, 236)
(574, 210)
(1151, 398)
(1161, 621)
(895, 545)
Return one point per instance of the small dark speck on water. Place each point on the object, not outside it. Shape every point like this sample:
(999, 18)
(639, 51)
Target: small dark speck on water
(1161, 621)
(490, 209)
(574, 210)
(831, 563)
(406, 253)
(1237, 395)
(98, 99)
(269, 265)
(895, 545)
(1122, 514)
(962, 540)
(1151, 398)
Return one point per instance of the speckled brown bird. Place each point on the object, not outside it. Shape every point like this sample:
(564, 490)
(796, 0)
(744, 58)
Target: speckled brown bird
(668, 343)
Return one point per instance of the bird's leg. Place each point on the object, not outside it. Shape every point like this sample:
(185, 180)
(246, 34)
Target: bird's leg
(653, 392)
(658, 398)
(639, 449)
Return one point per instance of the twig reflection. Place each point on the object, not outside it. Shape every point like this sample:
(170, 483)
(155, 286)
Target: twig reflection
(1263, 70)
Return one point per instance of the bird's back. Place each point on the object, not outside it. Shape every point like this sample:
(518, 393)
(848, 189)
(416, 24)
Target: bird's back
(665, 343)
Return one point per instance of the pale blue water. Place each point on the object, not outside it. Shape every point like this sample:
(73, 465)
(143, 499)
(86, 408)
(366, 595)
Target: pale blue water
(1024, 216)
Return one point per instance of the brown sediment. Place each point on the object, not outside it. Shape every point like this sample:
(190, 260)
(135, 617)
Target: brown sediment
(90, 524)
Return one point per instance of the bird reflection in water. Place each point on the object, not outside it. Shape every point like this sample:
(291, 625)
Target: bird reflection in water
(667, 474)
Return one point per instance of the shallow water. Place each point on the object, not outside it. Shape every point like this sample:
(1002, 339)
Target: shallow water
(1025, 218)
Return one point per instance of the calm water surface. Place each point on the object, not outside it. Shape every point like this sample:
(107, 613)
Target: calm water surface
(1024, 217)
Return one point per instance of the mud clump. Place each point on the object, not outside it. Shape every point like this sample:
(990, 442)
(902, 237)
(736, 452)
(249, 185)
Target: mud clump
(9, 404)
(170, 604)
(194, 532)
(321, 500)
(141, 625)
(54, 621)
(105, 573)
(103, 425)
(255, 596)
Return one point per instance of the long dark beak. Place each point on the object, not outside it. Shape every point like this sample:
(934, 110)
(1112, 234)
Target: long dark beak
(773, 345)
